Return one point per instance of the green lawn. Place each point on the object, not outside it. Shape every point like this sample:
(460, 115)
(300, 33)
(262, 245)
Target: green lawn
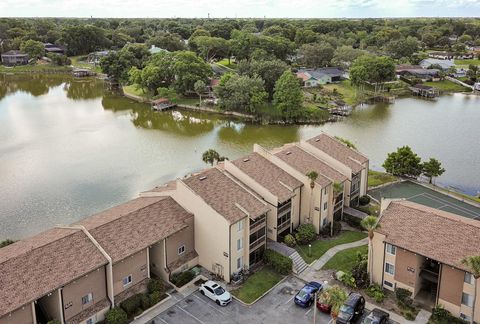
(446, 86)
(321, 246)
(136, 91)
(35, 68)
(257, 284)
(346, 259)
(231, 65)
(376, 178)
(347, 91)
(188, 101)
(467, 62)
(78, 62)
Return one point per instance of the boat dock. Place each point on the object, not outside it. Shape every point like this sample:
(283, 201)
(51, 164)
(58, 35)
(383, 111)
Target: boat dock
(424, 91)
(162, 104)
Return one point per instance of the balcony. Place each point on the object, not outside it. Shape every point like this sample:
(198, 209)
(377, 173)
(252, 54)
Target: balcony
(254, 227)
(284, 208)
(281, 227)
(257, 243)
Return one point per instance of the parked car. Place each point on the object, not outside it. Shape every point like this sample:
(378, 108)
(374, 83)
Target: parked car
(305, 297)
(377, 316)
(352, 309)
(323, 307)
(215, 292)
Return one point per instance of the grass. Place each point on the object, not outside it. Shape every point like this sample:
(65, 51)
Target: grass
(346, 259)
(78, 62)
(447, 86)
(188, 101)
(231, 65)
(257, 284)
(34, 68)
(467, 62)
(136, 91)
(347, 91)
(376, 178)
(319, 247)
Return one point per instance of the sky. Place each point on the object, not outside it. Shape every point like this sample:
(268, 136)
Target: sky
(240, 8)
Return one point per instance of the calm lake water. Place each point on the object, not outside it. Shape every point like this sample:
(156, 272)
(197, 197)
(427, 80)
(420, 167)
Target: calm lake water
(68, 149)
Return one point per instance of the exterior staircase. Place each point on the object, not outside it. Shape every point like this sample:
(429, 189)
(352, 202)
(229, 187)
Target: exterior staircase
(298, 264)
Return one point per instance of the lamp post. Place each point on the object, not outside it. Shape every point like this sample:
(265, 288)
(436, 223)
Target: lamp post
(309, 250)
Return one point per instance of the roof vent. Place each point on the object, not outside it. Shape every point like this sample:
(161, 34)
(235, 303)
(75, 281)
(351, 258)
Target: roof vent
(202, 178)
(246, 160)
(317, 140)
(288, 153)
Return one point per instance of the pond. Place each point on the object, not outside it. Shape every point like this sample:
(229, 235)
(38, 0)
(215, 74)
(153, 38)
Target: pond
(69, 149)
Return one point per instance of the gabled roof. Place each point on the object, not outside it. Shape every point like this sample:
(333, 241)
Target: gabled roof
(433, 233)
(304, 162)
(333, 72)
(36, 266)
(129, 228)
(225, 195)
(445, 64)
(339, 151)
(14, 53)
(268, 175)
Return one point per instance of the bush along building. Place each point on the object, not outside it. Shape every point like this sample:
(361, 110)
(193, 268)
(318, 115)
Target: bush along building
(421, 249)
(219, 218)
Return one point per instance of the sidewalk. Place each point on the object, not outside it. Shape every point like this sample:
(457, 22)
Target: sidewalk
(422, 317)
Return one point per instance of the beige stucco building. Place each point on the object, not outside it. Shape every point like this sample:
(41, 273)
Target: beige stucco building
(420, 249)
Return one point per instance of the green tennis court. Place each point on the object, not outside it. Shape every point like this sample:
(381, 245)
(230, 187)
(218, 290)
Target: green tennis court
(428, 197)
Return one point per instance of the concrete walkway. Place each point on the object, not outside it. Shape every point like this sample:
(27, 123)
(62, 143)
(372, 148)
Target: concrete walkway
(317, 265)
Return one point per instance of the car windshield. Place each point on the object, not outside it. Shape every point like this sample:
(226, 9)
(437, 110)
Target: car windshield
(346, 309)
(369, 320)
(303, 294)
(219, 291)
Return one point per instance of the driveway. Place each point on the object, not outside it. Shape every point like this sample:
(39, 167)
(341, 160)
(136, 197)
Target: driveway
(276, 307)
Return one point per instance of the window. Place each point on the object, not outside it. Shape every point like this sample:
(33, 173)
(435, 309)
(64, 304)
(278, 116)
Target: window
(240, 263)
(389, 268)
(91, 320)
(391, 249)
(325, 205)
(239, 244)
(87, 298)
(181, 249)
(467, 300)
(240, 225)
(468, 278)
(127, 280)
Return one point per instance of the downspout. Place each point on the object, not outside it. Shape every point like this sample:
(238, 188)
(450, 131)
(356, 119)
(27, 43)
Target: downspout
(230, 248)
(438, 284)
(383, 262)
(60, 301)
(165, 258)
(34, 314)
(109, 278)
(148, 262)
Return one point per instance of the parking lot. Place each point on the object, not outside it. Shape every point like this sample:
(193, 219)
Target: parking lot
(276, 307)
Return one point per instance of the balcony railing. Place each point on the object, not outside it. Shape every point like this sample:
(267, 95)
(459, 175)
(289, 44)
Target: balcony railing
(257, 243)
(338, 205)
(283, 225)
(284, 208)
(257, 226)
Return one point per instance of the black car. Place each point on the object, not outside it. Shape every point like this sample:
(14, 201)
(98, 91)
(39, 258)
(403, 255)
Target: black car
(377, 316)
(352, 309)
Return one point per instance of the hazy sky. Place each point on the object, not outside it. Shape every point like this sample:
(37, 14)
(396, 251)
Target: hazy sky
(239, 8)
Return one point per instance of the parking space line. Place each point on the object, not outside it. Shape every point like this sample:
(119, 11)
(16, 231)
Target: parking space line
(307, 312)
(289, 300)
(161, 319)
(190, 314)
(211, 306)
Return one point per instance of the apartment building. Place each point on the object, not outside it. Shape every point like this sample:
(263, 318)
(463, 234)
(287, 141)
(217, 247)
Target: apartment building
(279, 189)
(420, 249)
(344, 159)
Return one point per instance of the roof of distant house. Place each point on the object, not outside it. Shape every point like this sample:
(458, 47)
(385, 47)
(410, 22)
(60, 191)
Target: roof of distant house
(433, 233)
(131, 227)
(14, 53)
(339, 151)
(268, 175)
(225, 195)
(445, 64)
(304, 162)
(36, 266)
(333, 72)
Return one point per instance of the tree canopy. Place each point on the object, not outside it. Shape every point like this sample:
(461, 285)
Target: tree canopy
(288, 96)
(404, 162)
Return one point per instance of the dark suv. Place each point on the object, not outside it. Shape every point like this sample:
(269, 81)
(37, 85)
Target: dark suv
(377, 316)
(352, 309)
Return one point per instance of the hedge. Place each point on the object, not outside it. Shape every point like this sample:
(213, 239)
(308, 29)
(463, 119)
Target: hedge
(182, 278)
(305, 233)
(278, 262)
(116, 316)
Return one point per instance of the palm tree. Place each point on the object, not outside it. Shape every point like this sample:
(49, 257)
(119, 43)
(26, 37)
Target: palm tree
(370, 223)
(473, 262)
(312, 175)
(336, 297)
(337, 189)
(210, 156)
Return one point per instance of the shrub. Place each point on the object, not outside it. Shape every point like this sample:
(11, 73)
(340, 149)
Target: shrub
(403, 297)
(132, 304)
(360, 271)
(409, 315)
(337, 228)
(155, 297)
(145, 301)
(364, 200)
(278, 262)
(442, 316)
(326, 231)
(155, 285)
(290, 240)
(116, 316)
(376, 292)
(348, 280)
(6, 242)
(305, 233)
(182, 278)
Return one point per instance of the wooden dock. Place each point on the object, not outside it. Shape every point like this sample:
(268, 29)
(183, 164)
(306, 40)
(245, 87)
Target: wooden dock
(424, 91)
(162, 104)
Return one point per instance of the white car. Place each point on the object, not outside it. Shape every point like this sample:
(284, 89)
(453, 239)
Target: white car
(215, 292)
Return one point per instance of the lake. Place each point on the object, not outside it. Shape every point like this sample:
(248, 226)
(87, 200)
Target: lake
(69, 149)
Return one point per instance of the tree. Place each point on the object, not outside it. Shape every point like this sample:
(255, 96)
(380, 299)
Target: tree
(168, 93)
(83, 39)
(473, 72)
(403, 162)
(168, 41)
(312, 176)
(432, 168)
(200, 88)
(33, 48)
(210, 48)
(345, 55)
(316, 55)
(336, 297)
(370, 223)
(372, 69)
(269, 70)
(473, 263)
(210, 156)
(118, 64)
(288, 96)
(403, 47)
(188, 69)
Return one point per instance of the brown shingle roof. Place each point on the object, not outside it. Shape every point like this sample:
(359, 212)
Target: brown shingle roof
(126, 231)
(305, 162)
(339, 151)
(433, 233)
(268, 175)
(225, 195)
(33, 267)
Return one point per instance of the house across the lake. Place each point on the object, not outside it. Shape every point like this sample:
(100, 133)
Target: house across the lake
(416, 71)
(451, 55)
(56, 49)
(14, 57)
(444, 64)
(315, 77)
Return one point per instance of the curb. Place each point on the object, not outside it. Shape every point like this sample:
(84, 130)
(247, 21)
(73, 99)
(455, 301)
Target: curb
(263, 295)
(154, 306)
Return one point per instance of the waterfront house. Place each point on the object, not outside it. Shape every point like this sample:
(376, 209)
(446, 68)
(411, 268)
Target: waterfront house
(95, 57)
(154, 49)
(451, 55)
(275, 186)
(420, 249)
(316, 77)
(345, 160)
(56, 49)
(14, 57)
(417, 71)
(444, 64)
